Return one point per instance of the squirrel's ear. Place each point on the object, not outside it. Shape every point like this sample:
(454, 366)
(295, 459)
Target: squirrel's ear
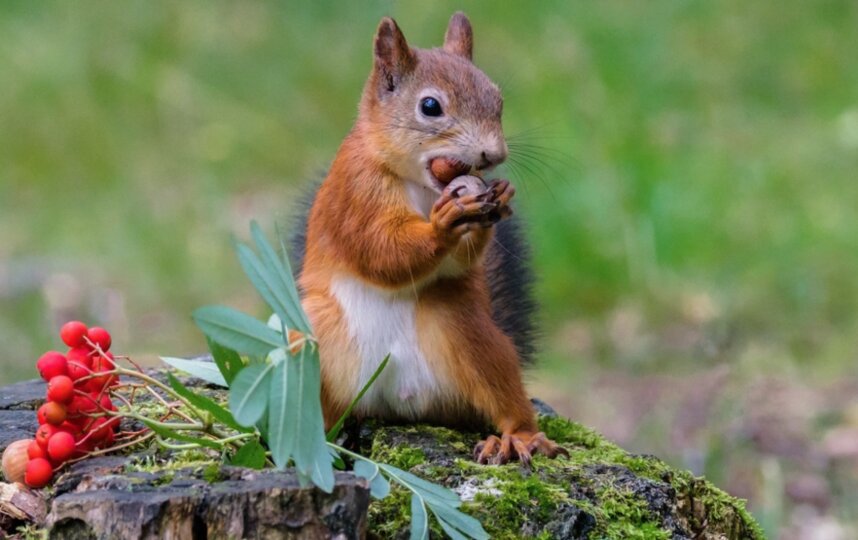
(459, 38)
(393, 56)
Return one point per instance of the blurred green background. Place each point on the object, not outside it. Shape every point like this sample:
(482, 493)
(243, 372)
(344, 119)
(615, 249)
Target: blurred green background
(687, 171)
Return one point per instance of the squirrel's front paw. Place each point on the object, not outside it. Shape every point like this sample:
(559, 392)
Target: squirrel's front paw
(454, 216)
(502, 192)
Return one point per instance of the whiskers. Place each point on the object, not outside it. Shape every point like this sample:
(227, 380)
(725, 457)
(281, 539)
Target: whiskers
(530, 159)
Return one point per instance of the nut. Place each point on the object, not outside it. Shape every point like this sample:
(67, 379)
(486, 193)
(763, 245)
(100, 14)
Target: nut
(445, 169)
(468, 185)
(15, 460)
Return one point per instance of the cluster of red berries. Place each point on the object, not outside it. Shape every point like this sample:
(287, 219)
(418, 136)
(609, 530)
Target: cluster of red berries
(73, 420)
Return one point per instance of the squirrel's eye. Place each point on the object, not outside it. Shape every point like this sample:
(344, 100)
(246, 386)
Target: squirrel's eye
(429, 106)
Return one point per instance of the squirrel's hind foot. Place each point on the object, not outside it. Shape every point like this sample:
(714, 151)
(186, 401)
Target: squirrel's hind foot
(521, 446)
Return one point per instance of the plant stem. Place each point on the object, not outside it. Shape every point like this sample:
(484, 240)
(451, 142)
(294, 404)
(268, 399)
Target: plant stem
(334, 431)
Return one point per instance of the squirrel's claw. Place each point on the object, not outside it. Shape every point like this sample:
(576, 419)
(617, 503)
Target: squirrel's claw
(484, 450)
(521, 446)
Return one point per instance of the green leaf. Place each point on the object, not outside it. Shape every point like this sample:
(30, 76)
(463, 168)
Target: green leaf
(468, 525)
(166, 433)
(334, 431)
(419, 519)
(431, 492)
(451, 531)
(248, 395)
(236, 330)
(202, 402)
(272, 281)
(379, 487)
(200, 369)
(227, 360)
(311, 453)
(275, 323)
(282, 405)
(283, 271)
(267, 285)
(251, 455)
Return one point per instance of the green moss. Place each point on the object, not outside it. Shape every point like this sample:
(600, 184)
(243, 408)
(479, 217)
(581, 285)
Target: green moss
(211, 472)
(167, 464)
(31, 532)
(404, 457)
(625, 515)
(598, 477)
(565, 431)
(391, 514)
(506, 506)
(717, 506)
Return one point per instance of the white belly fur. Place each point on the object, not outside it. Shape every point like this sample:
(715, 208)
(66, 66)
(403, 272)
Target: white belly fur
(382, 322)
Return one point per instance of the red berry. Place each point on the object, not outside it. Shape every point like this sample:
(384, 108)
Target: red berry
(83, 405)
(55, 413)
(99, 336)
(79, 363)
(61, 389)
(52, 364)
(40, 415)
(39, 472)
(44, 433)
(98, 430)
(106, 403)
(101, 364)
(109, 437)
(35, 450)
(61, 446)
(72, 334)
(70, 427)
(114, 424)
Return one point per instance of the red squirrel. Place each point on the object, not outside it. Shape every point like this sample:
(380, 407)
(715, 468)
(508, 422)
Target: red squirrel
(391, 262)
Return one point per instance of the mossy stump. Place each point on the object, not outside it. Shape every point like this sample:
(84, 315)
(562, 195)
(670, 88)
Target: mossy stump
(599, 491)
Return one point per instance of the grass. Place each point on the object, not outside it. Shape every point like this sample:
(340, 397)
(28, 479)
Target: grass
(689, 169)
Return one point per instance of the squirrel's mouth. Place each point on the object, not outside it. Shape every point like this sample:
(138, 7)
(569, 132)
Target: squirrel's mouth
(445, 169)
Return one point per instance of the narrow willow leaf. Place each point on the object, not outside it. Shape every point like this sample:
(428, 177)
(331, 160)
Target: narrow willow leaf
(251, 455)
(227, 360)
(293, 289)
(366, 469)
(451, 531)
(267, 284)
(275, 323)
(282, 406)
(202, 402)
(468, 525)
(311, 454)
(334, 431)
(262, 426)
(166, 433)
(379, 487)
(283, 272)
(432, 492)
(236, 330)
(277, 356)
(248, 395)
(419, 519)
(200, 369)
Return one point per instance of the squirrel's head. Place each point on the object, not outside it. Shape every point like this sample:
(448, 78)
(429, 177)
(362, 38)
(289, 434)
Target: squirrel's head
(420, 104)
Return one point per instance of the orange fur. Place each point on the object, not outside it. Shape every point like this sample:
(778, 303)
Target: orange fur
(364, 226)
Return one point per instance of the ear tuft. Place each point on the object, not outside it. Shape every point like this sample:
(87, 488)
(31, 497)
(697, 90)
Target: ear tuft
(393, 57)
(460, 37)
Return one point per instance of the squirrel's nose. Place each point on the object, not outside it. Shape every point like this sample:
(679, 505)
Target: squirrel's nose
(491, 158)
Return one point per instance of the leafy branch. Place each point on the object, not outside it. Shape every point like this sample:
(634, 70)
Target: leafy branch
(275, 397)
